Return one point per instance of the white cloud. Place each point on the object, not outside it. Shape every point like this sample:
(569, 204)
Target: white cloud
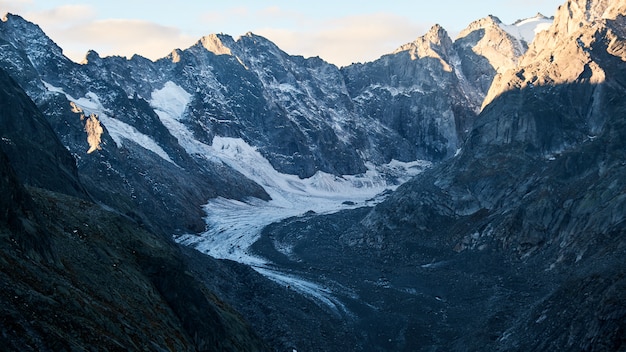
(128, 37)
(62, 16)
(347, 40)
(14, 6)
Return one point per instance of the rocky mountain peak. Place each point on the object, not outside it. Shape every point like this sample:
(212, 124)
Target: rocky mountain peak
(215, 43)
(91, 57)
(28, 37)
(487, 38)
(436, 34)
(538, 16)
(483, 23)
(250, 40)
(16, 20)
(564, 53)
(174, 56)
(436, 43)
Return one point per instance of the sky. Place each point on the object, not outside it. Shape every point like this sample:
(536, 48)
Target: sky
(340, 32)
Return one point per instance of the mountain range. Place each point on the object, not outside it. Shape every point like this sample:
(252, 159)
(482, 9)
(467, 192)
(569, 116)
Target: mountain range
(461, 194)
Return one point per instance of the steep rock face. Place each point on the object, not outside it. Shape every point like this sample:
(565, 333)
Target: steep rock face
(132, 162)
(533, 138)
(541, 178)
(311, 115)
(75, 275)
(577, 27)
(31, 145)
(403, 90)
(95, 278)
(485, 48)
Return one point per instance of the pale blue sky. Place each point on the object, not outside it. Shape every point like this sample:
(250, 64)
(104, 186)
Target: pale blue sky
(340, 32)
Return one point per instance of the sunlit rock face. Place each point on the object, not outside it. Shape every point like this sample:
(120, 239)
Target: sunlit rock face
(404, 90)
(577, 29)
(565, 55)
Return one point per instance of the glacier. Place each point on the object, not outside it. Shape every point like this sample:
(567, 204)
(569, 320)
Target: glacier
(528, 28)
(234, 225)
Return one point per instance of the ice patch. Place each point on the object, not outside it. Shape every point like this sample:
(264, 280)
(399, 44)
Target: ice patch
(169, 103)
(171, 100)
(119, 131)
(527, 29)
(394, 91)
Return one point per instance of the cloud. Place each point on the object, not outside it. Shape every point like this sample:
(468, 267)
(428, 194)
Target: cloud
(62, 16)
(14, 6)
(220, 17)
(76, 29)
(341, 41)
(125, 38)
(349, 39)
(246, 16)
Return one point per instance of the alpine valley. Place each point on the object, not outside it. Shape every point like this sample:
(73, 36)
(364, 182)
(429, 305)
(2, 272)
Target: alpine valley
(454, 195)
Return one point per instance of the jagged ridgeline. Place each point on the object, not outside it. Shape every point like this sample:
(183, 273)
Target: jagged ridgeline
(303, 115)
(457, 194)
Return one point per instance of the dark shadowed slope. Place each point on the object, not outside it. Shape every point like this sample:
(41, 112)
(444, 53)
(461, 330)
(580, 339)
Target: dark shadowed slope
(75, 276)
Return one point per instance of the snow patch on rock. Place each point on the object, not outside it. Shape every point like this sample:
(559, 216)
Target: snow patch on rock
(119, 131)
(527, 29)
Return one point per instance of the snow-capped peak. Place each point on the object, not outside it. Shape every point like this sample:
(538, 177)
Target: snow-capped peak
(526, 29)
